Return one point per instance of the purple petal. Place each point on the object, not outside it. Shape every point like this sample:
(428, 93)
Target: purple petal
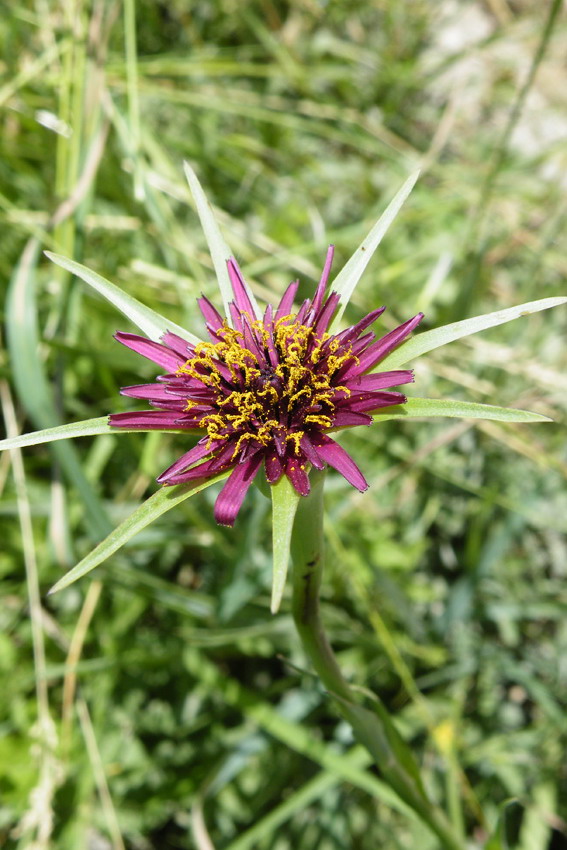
(310, 452)
(161, 355)
(147, 419)
(371, 401)
(326, 314)
(376, 352)
(170, 404)
(274, 467)
(348, 418)
(191, 389)
(380, 380)
(188, 423)
(295, 471)
(340, 460)
(202, 470)
(320, 291)
(178, 344)
(225, 457)
(303, 311)
(155, 392)
(279, 442)
(269, 326)
(285, 305)
(360, 344)
(240, 289)
(211, 315)
(251, 342)
(236, 316)
(198, 452)
(232, 494)
(353, 332)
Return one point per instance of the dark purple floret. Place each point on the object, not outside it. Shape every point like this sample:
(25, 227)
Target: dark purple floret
(266, 392)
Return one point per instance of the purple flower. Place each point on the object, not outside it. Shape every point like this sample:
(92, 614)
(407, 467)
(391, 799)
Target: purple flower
(266, 392)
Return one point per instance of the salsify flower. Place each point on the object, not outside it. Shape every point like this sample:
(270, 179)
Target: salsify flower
(267, 391)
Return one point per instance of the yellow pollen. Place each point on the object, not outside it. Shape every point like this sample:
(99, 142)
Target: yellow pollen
(263, 401)
(295, 438)
(323, 421)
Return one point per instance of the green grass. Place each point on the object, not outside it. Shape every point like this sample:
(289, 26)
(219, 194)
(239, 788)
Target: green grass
(157, 704)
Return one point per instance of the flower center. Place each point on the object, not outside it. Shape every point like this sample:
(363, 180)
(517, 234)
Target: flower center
(267, 386)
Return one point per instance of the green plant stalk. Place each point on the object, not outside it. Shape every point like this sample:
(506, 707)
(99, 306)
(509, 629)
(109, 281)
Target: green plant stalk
(377, 736)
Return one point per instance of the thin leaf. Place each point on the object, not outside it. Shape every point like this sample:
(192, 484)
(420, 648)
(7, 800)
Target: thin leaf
(426, 407)
(219, 250)
(428, 341)
(85, 428)
(162, 500)
(350, 274)
(151, 323)
(284, 505)
(32, 385)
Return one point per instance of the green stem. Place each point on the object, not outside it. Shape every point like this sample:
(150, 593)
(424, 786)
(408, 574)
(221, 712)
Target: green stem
(373, 730)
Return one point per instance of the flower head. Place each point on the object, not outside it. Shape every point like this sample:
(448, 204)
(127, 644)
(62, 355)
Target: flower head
(266, 391)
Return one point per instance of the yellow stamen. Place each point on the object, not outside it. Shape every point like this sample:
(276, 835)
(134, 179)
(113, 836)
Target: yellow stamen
(263, 399)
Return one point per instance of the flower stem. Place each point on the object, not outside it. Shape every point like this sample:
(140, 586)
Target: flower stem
(373, 729)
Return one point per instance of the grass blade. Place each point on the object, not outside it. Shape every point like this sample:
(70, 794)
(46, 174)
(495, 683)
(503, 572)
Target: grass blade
(296, 736)
(161, 501)
(151, 323)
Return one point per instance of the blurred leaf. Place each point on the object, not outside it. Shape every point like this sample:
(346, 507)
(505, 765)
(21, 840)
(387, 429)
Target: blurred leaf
(150, 322)
(294, 735)
(506, 834)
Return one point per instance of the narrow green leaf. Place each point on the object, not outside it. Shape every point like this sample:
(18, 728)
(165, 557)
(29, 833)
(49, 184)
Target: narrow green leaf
(162, 500)
(151, 323)
(428, 341)
(32, 384)
(426, 407)
(219, 250)
(284, 505)
(85, 428)
(350, 274)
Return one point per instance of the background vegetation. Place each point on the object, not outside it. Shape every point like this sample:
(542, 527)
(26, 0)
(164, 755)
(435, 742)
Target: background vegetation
(163, 707)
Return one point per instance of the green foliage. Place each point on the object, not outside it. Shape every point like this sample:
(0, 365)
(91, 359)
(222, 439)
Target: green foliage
(192, 713)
